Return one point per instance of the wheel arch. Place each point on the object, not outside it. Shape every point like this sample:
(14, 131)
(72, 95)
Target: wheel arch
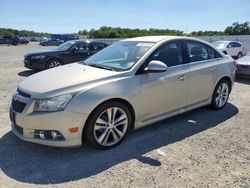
(227, 78)
(120, 100)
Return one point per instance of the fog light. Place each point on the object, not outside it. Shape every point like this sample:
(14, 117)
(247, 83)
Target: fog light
(53, 134)
(49, 135)
(41, 134)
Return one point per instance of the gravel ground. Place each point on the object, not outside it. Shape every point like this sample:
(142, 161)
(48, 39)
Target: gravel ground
(202, 148)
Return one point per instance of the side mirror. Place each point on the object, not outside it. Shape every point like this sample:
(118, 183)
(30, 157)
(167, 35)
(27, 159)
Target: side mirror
(74, 49)
(229, 46)
(156, 66)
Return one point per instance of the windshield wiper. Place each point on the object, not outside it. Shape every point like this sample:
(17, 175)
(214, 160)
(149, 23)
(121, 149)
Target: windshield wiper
(101, 67)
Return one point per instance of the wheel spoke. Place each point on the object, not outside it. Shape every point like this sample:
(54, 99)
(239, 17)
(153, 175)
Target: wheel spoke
(103, 136)
(109, 114)
(102, 121)
(120, 133)
(114, 111)
(114, 136)
(124, 121)
(221, 102)
(105, 140)
(122, 117)
(98, 127)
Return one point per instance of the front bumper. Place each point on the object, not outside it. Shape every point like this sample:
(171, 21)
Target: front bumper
(25, 123)
(36, 64)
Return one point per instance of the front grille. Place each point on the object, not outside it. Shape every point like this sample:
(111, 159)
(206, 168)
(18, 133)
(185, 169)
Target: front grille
(23, 93)
(17, 106)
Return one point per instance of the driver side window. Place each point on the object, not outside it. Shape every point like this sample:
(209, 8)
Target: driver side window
(169, 53)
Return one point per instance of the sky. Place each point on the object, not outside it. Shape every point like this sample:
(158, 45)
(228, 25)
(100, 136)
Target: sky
(70, 16)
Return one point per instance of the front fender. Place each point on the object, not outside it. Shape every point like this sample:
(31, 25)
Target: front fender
(128, 89)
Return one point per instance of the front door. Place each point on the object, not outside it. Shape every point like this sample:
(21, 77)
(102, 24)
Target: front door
(165, 92)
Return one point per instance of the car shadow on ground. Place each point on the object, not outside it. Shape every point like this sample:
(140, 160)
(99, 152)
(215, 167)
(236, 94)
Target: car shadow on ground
(26, 73)
(243, 80)
(36, 164)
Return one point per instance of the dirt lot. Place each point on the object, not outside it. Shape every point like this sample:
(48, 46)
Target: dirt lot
(202, 148)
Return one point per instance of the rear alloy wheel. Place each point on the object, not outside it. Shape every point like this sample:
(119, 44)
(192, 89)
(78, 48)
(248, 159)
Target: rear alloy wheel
(108, 125)
(54, 63)
(221, 94)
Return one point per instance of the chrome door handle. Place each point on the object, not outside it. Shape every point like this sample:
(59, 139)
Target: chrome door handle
(182, 77)
(212, 69)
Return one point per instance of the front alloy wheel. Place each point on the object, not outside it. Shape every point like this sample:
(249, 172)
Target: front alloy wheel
(108, 125)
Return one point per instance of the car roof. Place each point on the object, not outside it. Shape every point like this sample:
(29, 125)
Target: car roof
(152, 38)
(87, 41)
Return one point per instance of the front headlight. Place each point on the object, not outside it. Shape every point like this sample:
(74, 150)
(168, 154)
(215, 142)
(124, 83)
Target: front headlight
(38, 57)
(53, 104)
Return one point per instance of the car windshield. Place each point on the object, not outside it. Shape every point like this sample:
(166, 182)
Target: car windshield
(66, 45)
(220, 44)
(120, 56)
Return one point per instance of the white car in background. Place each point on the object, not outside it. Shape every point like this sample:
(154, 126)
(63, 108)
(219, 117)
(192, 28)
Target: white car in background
(232, 48)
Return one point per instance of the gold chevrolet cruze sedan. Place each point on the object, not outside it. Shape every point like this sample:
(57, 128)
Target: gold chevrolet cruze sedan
(128, 85)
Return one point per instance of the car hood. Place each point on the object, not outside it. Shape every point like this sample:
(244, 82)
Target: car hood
(43, 52)
(65, 79)
(244, 60)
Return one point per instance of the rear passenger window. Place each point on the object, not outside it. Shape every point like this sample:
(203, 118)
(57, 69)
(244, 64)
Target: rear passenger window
(170, 54)
(236, 44)
(213, 54)
(197, 51)
(82, 46)
(98, 46)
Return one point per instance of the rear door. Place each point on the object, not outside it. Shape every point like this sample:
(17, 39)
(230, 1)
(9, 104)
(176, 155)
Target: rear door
(202, 69)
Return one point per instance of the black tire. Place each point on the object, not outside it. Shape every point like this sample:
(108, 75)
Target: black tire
(53, 63)
(214, 105)
(239, 55)
(88, 132)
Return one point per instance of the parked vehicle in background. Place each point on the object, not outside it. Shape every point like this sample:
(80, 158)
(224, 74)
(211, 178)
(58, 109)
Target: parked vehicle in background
(52, 42)
(34, 39)
(68, 52)
(7, 39)
(232, 48)
(127, 85)
(23, 41)
(64, 37)
(243, 66)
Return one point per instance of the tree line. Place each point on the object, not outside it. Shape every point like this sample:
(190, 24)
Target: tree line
(22, 33)
(235, 29)
(116, 32)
